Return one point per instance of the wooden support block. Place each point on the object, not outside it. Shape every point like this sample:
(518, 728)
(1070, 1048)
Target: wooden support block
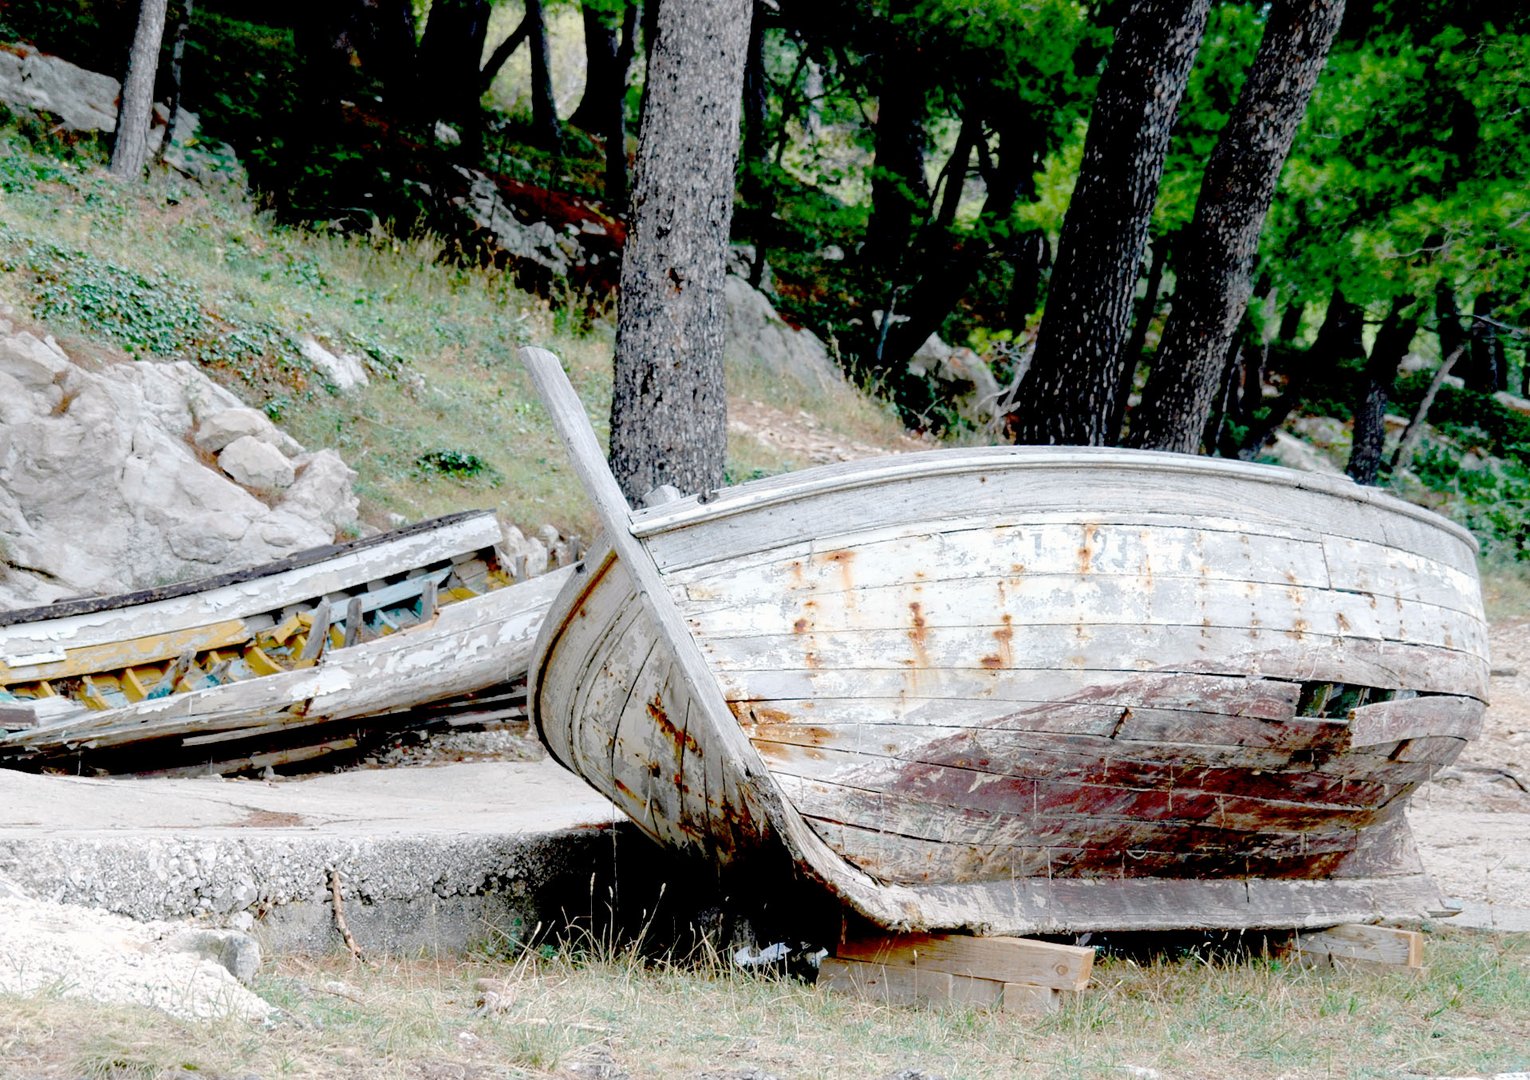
(1030, 1000)
(892, 984)
(1366, 947)
(1000, 959)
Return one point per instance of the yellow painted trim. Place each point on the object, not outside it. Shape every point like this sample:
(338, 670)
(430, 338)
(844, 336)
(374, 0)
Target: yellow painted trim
(130, 653)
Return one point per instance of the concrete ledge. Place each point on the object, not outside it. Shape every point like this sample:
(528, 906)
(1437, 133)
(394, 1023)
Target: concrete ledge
(428, 858)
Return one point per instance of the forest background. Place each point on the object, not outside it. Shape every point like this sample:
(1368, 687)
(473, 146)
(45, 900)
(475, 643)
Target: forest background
(907, 168)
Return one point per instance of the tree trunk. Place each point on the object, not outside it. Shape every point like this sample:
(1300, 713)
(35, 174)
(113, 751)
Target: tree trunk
(449, 55)
(616, 123)
(1447, 319)
(754, 193)
(899, 195)
(130, 147)
(1213, 289)
(545, 127)
(1488, 370)
(1131, 353)
(1369, 433)
(501, 54)
(601, 79)
(1029, 255)
(668, 409)
(1338, 340)
(1069, 395)
(177, 58)
(1402, 457)
(947, 265)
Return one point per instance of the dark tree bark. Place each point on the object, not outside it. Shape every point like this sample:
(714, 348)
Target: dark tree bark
(947, 266)
(602, 80)
(1069, 395)
(1447, 322)
(1393, 340)
(753, 191)
(449, 54)
(616, 123)
(1029, 255)
(130, 146)
(1487, 369)
(1213, 289)
(1131, 352)
(1338, 340)
(668, 409)
(544, 108)
(501, 55)
(899, 195)
(177, 60)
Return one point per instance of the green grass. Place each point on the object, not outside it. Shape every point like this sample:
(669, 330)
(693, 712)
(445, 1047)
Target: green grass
(1185, 1013)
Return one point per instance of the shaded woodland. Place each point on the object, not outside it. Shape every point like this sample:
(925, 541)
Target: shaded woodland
(1173, 226)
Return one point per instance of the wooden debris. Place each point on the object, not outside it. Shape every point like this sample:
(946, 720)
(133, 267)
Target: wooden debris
(1359, 947)
(339, 909)
(1013, 974)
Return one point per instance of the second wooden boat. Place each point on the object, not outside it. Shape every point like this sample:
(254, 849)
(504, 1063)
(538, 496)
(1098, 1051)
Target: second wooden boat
(367, 628)
(1021, 690)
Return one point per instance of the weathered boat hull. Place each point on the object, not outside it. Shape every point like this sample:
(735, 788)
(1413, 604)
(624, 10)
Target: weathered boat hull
(1024, 690)
(362, 629)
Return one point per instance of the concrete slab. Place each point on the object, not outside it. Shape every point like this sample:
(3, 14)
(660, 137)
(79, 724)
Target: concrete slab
(428, 858)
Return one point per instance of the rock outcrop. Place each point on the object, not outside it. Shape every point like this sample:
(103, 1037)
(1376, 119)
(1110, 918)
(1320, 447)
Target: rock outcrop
(758, 336)
(81, 100)
(124, 475)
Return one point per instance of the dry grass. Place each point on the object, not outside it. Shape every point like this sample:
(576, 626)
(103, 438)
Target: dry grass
(609, 1014)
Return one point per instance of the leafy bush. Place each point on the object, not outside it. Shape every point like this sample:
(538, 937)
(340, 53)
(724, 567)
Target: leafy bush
(460, 465)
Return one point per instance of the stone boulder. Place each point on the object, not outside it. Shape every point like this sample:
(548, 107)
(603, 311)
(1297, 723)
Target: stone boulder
(341, 370)
(964, 378)
(256, 464)
(218, 428)
(102, 489)
(757, 336)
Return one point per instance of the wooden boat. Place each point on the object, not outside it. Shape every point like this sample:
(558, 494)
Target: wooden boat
(422, 614)
(1025, 690)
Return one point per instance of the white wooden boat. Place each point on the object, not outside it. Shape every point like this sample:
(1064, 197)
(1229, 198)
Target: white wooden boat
(1024, 689)
(371, 627)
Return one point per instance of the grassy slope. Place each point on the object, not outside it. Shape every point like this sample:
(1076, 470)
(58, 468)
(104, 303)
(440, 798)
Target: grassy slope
(166, 268)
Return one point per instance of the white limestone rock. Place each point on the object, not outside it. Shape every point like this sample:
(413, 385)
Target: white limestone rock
(758, 336)
(323, 492)
(342, 370)
(256, 464)
(102, 491)
(217, 430)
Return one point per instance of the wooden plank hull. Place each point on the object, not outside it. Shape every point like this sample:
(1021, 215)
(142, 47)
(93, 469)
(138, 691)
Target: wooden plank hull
(1038, 690)
(421, 615)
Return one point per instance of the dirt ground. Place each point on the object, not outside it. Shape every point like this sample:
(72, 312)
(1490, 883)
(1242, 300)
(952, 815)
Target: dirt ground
(1473, 822)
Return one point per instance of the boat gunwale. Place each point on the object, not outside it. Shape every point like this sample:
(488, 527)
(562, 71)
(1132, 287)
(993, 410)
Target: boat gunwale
(841, 476)
(298, 560)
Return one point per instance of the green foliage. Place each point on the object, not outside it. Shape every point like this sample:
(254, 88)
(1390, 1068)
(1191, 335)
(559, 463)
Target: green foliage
(143, 313)
(459, 465)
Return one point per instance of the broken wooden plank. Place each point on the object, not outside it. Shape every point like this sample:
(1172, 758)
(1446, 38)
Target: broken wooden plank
(1412, 718)
(68, 663)
(893, 984)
